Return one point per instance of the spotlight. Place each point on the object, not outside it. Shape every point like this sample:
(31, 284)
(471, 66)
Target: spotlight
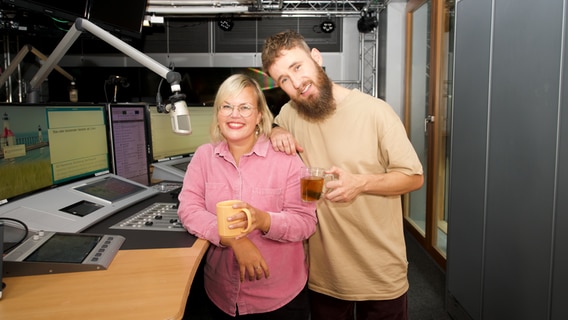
(367, 22)
(226, 24)
(327, 26)
(149, 20)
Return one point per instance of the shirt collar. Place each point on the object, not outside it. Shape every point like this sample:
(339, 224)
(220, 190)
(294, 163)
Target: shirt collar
(260, 148)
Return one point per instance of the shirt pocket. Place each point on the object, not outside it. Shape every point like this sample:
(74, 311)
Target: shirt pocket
(268, 199)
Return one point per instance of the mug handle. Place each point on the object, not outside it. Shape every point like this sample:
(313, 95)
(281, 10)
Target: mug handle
(249, 218)
(327, 177)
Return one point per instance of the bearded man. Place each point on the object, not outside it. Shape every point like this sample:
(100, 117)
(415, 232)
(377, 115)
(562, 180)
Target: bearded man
(357, 256)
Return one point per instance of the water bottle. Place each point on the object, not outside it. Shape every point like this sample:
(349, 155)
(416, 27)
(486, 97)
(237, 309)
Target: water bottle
(73, 92)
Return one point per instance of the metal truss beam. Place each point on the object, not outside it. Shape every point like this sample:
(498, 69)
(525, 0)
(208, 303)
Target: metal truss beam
(172, 8)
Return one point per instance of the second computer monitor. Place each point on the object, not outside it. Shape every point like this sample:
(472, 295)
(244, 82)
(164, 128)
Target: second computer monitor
(130, 140)
(172, 152)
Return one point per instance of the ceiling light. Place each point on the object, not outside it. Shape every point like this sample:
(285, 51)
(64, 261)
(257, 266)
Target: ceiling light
(327, 26)
(149, 20)
(226, 24)
(368, 21)
(196, 9)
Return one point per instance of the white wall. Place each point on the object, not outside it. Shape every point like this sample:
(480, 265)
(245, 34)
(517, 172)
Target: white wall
(396, 29)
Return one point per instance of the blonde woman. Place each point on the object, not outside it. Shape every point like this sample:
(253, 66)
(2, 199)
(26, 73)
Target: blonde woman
(261, 274)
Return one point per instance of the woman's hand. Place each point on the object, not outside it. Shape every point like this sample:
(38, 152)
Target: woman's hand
(259, 219)
(251, 262)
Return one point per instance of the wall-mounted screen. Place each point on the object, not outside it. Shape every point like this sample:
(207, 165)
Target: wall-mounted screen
(122, 16)
(64, 9)
(47, 145)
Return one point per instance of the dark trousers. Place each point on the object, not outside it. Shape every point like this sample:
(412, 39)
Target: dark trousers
(297, 309)
(324, 307)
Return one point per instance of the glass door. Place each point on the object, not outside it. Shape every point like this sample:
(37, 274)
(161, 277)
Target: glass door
(427, 105)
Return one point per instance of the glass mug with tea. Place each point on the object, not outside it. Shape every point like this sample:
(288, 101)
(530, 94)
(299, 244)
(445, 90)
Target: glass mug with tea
(312, 183)
(224, 210)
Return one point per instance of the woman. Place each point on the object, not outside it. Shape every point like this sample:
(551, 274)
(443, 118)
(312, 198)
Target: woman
(261, 274)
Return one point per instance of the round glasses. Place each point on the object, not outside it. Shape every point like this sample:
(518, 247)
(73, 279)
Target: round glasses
(245, 110)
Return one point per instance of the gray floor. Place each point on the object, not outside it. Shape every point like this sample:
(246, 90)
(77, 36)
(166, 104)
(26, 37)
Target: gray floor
(426, 296)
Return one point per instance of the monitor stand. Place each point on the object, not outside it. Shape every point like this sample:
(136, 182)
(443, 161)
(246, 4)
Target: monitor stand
(170, 170)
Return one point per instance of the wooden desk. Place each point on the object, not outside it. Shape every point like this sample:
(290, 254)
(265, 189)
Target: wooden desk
(139, 284)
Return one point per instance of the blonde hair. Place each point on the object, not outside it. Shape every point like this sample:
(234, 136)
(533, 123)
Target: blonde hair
(232, 86)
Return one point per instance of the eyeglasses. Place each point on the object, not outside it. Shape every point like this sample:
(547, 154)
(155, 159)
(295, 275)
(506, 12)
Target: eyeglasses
(245, 110)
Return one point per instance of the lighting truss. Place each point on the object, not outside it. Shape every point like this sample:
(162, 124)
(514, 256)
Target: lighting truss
(307, 8)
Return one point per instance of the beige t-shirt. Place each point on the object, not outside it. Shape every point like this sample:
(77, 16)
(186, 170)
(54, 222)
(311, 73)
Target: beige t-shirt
(358, 250)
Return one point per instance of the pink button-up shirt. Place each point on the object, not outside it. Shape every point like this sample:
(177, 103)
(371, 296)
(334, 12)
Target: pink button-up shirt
(269, 181)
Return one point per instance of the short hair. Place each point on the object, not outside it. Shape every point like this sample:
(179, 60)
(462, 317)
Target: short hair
(232, 86)
(274, 44)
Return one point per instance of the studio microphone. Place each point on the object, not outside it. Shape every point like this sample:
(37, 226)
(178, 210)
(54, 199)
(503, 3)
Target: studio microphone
(179, 115)
(177, 108)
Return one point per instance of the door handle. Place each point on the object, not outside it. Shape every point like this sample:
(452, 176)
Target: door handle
(428, 119)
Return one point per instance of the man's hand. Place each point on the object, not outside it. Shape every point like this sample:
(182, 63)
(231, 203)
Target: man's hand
(283, 141)
(347, 186)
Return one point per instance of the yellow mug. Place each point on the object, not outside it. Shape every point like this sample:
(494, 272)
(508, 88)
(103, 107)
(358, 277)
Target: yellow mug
(224, 210)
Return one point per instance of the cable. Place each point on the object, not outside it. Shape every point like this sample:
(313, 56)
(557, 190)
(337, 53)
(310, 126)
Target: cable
(21, 225)
(159, 105)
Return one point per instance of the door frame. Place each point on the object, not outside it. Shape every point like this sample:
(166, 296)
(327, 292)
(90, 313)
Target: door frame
(433, 129)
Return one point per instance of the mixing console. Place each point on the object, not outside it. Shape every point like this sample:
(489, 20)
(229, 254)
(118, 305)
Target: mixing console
(160, 216)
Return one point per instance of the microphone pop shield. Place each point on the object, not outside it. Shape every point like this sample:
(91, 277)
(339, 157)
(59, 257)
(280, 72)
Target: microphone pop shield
(179, 115)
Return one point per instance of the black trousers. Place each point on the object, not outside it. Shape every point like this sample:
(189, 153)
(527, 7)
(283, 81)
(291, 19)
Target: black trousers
(324, 307)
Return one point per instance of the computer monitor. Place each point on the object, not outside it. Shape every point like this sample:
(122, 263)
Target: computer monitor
(129, 125)
(167, 145)
(55, 167)
(42, 146)
(172, 152)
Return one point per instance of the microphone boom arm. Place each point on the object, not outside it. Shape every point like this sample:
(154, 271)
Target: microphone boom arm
(173, 78)
(74, 33)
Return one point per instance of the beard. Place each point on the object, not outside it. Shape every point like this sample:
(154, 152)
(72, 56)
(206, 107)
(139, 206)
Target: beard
(320, 107)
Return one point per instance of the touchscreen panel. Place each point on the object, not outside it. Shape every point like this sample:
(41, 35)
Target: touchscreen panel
(65, 248)
(110, 189)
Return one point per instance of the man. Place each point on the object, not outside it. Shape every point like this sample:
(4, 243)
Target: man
(357, 255)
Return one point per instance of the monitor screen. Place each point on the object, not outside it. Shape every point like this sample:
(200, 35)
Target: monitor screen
(167, 145)
(123, 17)
(65, 9)
(65, 248)
(110, 189)
(48, 145)
(130, 141)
